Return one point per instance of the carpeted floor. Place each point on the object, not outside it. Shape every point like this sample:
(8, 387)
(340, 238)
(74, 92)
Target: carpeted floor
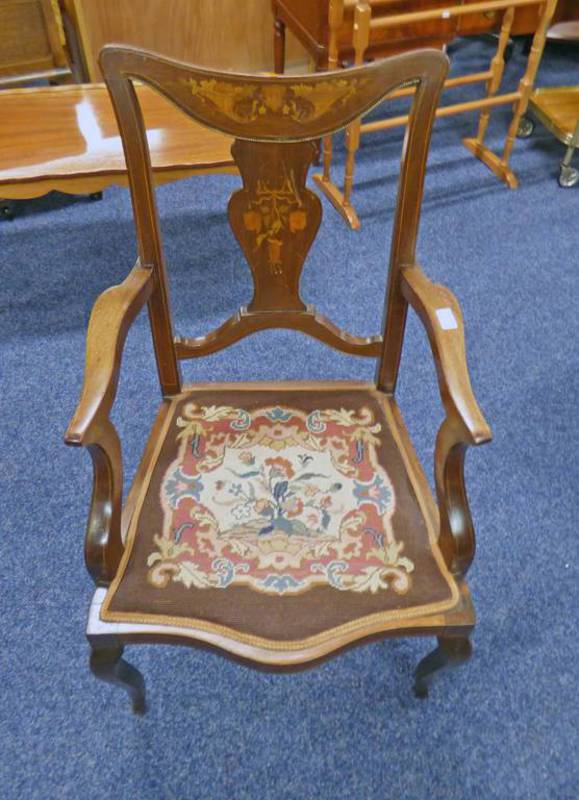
(504, 726)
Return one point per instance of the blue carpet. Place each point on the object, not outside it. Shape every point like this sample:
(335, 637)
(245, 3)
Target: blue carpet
(505, 725)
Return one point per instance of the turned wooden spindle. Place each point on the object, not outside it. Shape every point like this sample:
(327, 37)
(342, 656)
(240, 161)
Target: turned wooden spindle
(335, 20)
(497, 68)
(361, 39)
(527, 81)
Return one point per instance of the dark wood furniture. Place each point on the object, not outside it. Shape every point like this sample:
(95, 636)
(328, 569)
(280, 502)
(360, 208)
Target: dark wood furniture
(373, 27)
(32, 42)
(309, 21)
(276, 523)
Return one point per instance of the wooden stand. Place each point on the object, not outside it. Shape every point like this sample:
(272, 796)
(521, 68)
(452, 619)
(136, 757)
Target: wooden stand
(364, 24)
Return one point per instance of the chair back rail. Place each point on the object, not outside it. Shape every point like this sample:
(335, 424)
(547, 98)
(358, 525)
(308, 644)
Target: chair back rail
(274, 216)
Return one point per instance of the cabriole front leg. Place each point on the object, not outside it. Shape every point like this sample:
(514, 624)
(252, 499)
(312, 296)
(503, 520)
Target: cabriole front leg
(451, 652)
(107, 665)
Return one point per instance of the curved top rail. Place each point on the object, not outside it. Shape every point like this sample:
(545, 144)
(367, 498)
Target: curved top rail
(272, 107)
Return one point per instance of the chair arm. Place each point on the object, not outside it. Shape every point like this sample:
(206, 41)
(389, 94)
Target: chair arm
(111, 318)
(440, 313)
(464, 425)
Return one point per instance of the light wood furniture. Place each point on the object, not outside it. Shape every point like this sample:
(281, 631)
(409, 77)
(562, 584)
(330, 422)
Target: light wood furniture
(276, 523)
(365, 22)
(557, 108)
(66, 139)
(32, 42)
(216, 33)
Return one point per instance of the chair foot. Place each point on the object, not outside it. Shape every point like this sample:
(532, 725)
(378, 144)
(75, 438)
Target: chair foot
(451, 652)
(107, 664)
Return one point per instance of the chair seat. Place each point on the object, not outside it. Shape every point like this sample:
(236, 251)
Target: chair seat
(281, 516)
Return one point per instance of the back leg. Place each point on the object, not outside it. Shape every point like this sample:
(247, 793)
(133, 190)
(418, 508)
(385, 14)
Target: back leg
(451, 652)
(107, 664)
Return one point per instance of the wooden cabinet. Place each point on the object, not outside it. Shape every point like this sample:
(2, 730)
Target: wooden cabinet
(31, 41)
(224, 34)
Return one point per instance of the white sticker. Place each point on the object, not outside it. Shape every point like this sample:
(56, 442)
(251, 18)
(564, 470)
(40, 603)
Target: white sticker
(446, 319)
(445, 15)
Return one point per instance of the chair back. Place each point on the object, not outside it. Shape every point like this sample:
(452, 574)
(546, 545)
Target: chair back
(274, 121)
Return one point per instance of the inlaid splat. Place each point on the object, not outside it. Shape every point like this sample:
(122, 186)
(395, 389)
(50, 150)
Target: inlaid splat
(275, 219)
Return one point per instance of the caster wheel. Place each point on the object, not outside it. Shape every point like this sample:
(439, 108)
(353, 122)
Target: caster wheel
(95, 196)
(526, 128)
(568, 177)
(6, 210)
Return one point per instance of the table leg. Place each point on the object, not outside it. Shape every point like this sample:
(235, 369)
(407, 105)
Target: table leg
(568, 175)
(279, 46)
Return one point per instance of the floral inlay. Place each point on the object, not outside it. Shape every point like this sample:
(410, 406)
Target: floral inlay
(279, 500)
(275, 211)
(245, 102)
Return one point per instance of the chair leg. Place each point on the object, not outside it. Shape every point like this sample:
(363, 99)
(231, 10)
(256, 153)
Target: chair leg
(451, 652)
(107, 664)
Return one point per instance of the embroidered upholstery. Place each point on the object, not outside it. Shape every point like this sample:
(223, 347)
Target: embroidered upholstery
(278, 514)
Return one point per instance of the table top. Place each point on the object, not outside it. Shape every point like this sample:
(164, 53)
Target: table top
(558, 110)
(70, 131)
(565, 31)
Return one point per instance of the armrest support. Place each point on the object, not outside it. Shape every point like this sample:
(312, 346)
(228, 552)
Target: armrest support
(464, 425)
(111, 318)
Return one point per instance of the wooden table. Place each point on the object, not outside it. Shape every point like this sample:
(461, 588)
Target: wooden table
(65, 138)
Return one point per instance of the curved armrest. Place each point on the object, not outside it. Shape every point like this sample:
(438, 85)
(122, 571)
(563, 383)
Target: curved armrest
(464, 425)
(440, 313)
(111, 318)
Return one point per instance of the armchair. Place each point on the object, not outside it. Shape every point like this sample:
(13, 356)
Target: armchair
(276, 523)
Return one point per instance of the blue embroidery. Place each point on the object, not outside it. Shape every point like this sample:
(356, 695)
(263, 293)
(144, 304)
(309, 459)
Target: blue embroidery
(179, 485)
(375, 492)
(332, 572)
(226, 571)
(278, 414)
(242, 422)
(281, 583)
(314, 423)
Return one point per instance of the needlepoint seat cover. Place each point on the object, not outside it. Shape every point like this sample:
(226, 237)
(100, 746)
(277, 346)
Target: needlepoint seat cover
(279, 516)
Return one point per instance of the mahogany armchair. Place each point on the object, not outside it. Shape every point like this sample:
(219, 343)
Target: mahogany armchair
(276, 523)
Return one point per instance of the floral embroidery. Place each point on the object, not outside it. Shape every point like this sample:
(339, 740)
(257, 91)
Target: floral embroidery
(178, 485)
(278, 500)
(374, 492)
